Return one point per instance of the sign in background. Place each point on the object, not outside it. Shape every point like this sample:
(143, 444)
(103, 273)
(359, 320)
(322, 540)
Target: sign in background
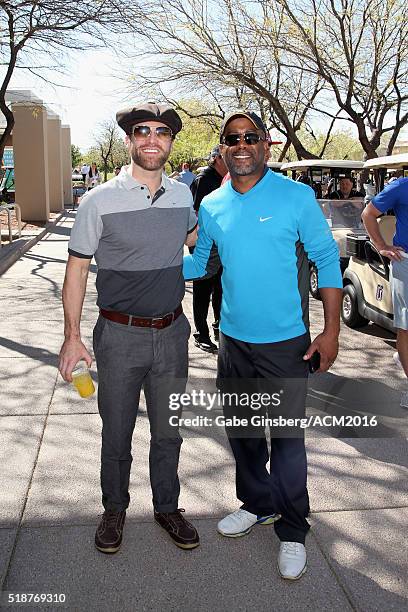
(8, 156)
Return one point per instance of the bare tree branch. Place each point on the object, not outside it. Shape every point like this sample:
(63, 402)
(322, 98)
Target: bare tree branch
(41, 29)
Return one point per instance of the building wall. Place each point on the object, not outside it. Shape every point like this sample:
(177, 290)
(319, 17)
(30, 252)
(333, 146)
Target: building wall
(66, 164)
(55, 163)
(31, 160)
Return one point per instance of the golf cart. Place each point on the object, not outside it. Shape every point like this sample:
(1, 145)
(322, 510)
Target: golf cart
(275, 166)
(343, 216)
(78, 188)
(391, 167)
(367, 292)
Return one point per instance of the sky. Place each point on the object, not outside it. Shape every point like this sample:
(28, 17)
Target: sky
(90, 94)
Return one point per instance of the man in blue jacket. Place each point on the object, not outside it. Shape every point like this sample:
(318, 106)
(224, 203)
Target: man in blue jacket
(266, 227)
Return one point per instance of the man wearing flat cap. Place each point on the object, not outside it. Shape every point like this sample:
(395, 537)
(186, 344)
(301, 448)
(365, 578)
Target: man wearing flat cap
(263, 224)
(135, 226)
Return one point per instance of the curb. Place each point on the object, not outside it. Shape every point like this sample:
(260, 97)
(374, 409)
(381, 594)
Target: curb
(7, 261)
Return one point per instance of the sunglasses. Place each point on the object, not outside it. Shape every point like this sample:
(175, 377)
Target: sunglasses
(250, 138)
(143, 131)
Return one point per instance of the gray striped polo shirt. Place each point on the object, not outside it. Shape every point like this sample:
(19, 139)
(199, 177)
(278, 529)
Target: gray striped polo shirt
(137, 241)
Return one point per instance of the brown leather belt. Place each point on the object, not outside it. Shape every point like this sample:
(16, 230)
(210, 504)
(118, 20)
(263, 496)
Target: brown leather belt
(155, 322)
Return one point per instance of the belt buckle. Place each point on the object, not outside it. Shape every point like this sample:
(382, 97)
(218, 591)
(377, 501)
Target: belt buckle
(156, 322)
(161, 321)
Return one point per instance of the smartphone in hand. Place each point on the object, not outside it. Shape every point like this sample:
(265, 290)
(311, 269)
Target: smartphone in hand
(314, 362)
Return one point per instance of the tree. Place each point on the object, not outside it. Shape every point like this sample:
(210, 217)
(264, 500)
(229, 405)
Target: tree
(109, 150)
(297, 62)
(360, 50)
(195, 141)
(33, 34)
(228, 65)
(92, 155)
(120, 153)
(341, 144)
(105, 141)
(76, 156)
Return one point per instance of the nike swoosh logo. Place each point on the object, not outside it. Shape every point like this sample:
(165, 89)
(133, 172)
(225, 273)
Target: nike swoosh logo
(262, 219)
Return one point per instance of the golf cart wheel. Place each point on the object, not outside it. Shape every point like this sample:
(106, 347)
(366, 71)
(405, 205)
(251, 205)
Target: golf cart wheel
(349, 308)
(313, 284)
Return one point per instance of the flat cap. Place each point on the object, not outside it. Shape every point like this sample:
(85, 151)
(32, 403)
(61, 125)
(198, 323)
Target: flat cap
(149, 111)
(253, 118)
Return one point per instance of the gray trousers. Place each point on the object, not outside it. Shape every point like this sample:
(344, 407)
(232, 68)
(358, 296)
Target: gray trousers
(129, 358)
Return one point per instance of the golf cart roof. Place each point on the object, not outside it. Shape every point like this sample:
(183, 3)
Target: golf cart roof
(274, 165)
(390, 161)
(304, 164)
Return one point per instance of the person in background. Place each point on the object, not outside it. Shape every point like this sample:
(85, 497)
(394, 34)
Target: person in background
(395, 197)
(208, 289)
(84, 172)
(117, 170)
(330, 187)
(345, 190)
(186, 176)
(93, 176)
(346, 204)
(394, 176)
(304, 178)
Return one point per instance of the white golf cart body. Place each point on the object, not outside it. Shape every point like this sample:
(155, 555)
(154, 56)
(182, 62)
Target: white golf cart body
(367, 291)
(366, 281)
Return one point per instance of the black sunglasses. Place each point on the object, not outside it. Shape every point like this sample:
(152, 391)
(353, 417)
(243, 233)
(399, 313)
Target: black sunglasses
(250, 138)
(143, 131)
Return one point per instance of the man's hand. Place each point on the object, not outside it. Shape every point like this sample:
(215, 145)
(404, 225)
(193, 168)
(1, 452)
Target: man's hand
(191, 238)
(72, 351)
(328, 346)
(392, 252)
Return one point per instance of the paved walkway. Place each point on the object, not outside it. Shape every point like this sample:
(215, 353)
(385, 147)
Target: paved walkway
(50, 498)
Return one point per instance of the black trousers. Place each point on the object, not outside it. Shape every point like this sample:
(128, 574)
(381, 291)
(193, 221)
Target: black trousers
(282, 489)
(203, 292)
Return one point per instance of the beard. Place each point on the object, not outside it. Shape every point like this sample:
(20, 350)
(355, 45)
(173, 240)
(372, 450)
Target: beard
(242, 169)
(239, 168)
(148, 162)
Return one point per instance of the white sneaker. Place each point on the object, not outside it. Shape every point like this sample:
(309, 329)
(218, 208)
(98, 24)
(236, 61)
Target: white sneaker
(292, 561)
(404, 400)
(240, 522)
(396, 359)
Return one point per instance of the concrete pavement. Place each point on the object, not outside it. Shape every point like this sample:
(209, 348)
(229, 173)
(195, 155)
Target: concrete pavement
(50, 497)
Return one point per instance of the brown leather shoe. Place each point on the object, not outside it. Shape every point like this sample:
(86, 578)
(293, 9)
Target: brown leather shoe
(108, 536)
(183, 533)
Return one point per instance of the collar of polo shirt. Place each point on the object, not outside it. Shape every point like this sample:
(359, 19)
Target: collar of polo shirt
(129, 182)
